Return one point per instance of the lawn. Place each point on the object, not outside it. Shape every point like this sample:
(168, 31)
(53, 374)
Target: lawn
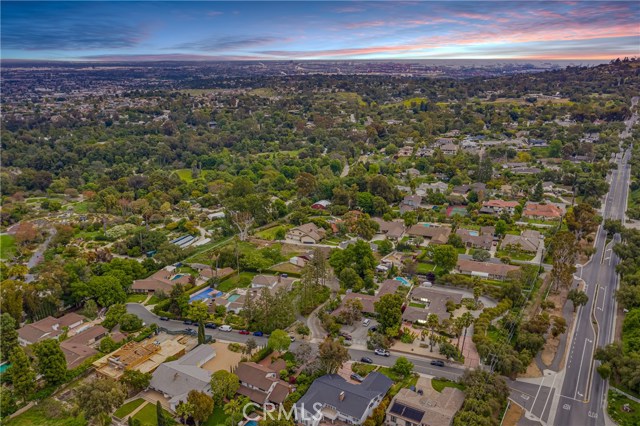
(36, 416)
(128, 408)
(7, 246)
(218, 417)
(270, 233)
(424, 268)
(147, 415)
(514, 254)
(362, 369)
(440, 384)
(235, 281)
(81, 207)
(136, 297)
(616, 402)
(417, 305)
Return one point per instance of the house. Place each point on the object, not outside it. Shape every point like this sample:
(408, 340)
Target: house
(542, 211)
(393, 229)
(498, 207)
(528, 241)
(388, 286)
(410, 203)
(526, 170)
(331, 398)
(367, 301)
(269, 281)
(494, 271)
(262, 384)
(475, 239)
(78, 348)
(405, 151)
(422, 405)
(424, 188)
(175, 379)
(434, 301)
(432, 234)
(50, 328)
(321, 205)
(309, 233)
(162, 281)
(449, 149)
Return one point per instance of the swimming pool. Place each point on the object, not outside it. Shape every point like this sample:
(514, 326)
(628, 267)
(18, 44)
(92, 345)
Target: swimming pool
(251, 423)
(233, 297)
(177, 277)
(207, 293)
(4, 367)
(474, 233)
(404, 281)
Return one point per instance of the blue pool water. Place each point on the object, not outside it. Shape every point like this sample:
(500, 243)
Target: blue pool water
(4, 367)
(233, 297)
(205, 294)
(251, 423)
(474, 233)
(177, 277)
(426, 225)
(404, 281)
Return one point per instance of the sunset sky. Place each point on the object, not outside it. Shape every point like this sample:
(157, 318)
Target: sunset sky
(121, 30)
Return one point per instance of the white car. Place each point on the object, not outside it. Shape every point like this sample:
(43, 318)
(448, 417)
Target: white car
(225, 328)
(382, 352)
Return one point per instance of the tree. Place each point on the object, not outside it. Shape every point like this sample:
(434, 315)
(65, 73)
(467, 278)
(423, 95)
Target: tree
(23, 377)
(352, 311)
(582, 220)
(160, 414)
(578, 297)
(445, 256)
(107, 344)
(202, 337)
(613, 226)
(51, 362)
(279, 340)
(234, 409)
(332, 355)
(113, 315)
(223, 385)
(242, 221)
(563, 249)
(501, 227)
(90, 309)
(136, 380)
(8, 335)
(198, 311)
(130, 322)
(202, 405)
(481, 255)
(485, 169)
(184, 411)
(432, 322)
(466, 320)
(250, 345)
(8, 399)
(389, 310)
(303, 353)
(99, 397)
(402, 367)
(538, 192)
(559, 326)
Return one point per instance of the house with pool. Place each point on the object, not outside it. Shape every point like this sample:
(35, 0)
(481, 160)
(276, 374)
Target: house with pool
(164, 280)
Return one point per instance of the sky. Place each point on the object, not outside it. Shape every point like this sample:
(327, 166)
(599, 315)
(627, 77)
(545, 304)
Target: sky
(319, 30)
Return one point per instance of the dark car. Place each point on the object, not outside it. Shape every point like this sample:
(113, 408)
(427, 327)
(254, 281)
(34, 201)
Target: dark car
(346, 336)
(366, 360)
(258, 333)
(190, 331)
(437, 363)
(210, 325)
(357, 377)
(373, 328)
(164, 319)
(244, 332)
(187, 322)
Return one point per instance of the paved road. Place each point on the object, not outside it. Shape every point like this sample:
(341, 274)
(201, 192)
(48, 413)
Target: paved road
(38, 255)
(583, 392)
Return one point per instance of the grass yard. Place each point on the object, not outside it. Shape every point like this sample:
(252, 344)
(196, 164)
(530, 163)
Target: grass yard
(185, 174)
(616, 402)
(270, 233)
(424, 268)
(362, 368)
(7, 246)
(417, 305)
(513, 254)
(81, 207)
(128, 408)
(440, 384)
(235, 281)
(147, 415)
(136, 297)
(36, 416)
(218, 417)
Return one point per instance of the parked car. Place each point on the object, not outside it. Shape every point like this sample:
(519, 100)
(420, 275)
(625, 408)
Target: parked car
(437, 363)
(163, 319)
(357, 377)
(293, 338)
(187, 322)
(346, 336)
(244, 332)
(382, 352)
(373, 328)
(366, 322)
(366, 360)
(225, 328)
(258, 333)
(190, 331)
(210, 325)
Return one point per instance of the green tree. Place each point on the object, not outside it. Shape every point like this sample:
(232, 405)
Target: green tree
(198, 311)
(402, 366)
(432, 322)
(223, 385)
(578, 298)
(279, 340)
(51, 362)
(202, 337)
(389, 310)
(466, 320)
(445, 256)
(538, 192)
(23, 377)
(113, 315)
(481, 255)
(99, 397)
(8, 406)
(160, 420)
(234, 408)
(613, 227)
(8, 335)
(559, 326)
(501, 227)
(90, 309)
(485, 169)
(202, 406)
(107, 290)
(130, 322)
(563, 250)
(332, 355)
(184, 410)
(136, 380)
(582, 220)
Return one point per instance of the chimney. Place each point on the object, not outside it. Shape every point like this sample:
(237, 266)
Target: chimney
(341, 396)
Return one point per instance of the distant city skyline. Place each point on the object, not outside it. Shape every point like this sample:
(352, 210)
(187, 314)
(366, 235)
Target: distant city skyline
(320, 30)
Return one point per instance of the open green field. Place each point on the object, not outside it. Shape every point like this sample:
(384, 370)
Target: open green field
(218, 417)
(270, 233)
(7, 246)
(616, 402)
(235, 281)
(128, 408)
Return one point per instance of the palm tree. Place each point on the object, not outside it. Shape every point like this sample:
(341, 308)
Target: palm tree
(432, 322)
(466, 320)
(233, 408)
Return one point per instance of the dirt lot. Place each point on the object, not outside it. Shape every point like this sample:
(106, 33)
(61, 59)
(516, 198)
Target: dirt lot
(514, 414)
(224, 359)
